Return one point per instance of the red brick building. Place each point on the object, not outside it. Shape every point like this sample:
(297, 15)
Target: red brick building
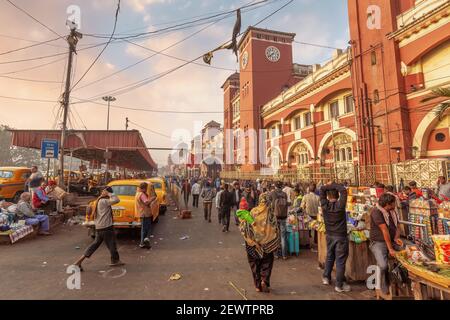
(358, 117)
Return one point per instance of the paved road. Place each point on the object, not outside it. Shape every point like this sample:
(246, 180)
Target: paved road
(207, 262)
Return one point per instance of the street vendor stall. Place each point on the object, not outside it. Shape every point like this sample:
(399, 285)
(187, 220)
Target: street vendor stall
(430, 279)
(428, 261)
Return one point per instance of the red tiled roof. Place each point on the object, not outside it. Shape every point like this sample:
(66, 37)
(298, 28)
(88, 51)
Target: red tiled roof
(127, 147)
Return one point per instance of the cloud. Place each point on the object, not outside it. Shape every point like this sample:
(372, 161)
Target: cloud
(192, 88)
(141, 5)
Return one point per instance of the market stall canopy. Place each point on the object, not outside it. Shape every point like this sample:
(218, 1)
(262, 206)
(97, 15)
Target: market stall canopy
(127, 148)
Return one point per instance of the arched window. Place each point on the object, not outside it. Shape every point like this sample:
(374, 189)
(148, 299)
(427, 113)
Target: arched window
(349, 154)
(343, 148)
(343, 157)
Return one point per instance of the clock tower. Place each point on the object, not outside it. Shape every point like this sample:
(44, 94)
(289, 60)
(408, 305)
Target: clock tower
(266, 67)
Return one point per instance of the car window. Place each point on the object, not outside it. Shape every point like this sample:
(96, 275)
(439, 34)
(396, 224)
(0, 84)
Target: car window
(157, 185)
(6, 174)
(124, 190)
(26, 175)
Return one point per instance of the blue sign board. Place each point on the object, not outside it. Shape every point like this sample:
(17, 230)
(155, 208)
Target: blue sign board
(49, 149)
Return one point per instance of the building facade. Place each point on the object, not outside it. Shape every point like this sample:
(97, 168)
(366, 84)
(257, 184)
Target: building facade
(207, 152)
(359, 117)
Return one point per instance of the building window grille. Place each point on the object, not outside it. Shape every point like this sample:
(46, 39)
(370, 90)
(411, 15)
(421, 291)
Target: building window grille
(349, 105)
(308, 120)
(373, 57)
(334, 109)
(297, 123)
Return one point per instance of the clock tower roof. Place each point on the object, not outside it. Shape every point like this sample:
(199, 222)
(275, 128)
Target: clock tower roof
(250, 29)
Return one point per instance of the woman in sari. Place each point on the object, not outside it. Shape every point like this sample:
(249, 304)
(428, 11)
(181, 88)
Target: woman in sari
(261, 241)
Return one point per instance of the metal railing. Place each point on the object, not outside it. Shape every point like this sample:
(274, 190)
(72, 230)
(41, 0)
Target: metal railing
(424, 171)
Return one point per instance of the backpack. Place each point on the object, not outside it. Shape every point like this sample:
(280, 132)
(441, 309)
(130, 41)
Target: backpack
(280, 205)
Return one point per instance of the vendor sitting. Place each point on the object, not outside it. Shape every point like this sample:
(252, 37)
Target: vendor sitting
(25, 211)
(384, 236)
(57, 194)
(40, 199)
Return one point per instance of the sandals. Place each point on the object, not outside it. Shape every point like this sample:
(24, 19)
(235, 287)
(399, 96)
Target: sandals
(117, 264)
(264, 287)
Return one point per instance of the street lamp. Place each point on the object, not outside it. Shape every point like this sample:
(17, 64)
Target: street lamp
(108, 99)
(397, 150)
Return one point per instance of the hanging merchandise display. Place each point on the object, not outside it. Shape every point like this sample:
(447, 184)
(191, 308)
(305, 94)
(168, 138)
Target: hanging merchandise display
(360, 202)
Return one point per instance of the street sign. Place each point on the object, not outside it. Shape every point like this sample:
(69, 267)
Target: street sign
(49, 149)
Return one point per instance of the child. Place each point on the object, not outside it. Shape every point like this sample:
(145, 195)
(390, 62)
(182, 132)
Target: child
(243, 212)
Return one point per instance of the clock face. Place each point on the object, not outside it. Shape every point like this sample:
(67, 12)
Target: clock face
(273, 54)
(244, 60)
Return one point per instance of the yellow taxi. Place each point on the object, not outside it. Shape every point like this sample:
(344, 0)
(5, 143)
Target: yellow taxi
(161, 191)
(12, 182)
(124, 211)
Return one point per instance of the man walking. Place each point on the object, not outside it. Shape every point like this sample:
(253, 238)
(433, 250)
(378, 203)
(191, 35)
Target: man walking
(208, 194)
(195, 194)
(333, 200)
(143, 211)
(226, 201)
(186, 191)
(104, 228)
(279, 204)
(237, 196)
(218, 207)
(288, 190)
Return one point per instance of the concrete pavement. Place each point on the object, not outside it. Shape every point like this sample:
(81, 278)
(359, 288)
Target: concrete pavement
(207, 261)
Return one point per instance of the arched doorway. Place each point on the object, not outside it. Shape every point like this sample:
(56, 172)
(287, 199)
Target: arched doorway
(432, 137)
(275, 157)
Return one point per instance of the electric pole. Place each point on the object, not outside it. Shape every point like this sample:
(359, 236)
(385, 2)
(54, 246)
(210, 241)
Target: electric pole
(72, 40)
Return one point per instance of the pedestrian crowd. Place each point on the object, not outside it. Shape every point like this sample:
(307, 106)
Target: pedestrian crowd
(266, 213)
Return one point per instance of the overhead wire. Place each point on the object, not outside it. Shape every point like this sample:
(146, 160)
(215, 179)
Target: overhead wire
(104, 48)
(150, 130)
(148, 57)
(161, 52)
(35, 19)
(140, 83)
(28, 47)
(34, 67)
(178, 25)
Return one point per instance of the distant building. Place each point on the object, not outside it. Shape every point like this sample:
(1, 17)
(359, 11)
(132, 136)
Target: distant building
(207, 151)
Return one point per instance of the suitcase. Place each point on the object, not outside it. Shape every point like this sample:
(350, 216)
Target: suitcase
(294, 242)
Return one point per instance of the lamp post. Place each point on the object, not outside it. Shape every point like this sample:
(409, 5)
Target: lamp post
(108, 99)
(397, 150)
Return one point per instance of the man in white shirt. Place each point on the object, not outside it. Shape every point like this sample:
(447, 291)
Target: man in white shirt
(195, 194)
(310, 205)
(104, 228)
(219, 209)
(288, 190)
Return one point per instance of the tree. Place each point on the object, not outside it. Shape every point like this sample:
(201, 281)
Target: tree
(16, 156)
(440, 93)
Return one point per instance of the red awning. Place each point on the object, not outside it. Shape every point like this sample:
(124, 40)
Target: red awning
(127, 147)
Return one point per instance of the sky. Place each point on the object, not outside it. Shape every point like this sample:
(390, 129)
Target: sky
(195, 87)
